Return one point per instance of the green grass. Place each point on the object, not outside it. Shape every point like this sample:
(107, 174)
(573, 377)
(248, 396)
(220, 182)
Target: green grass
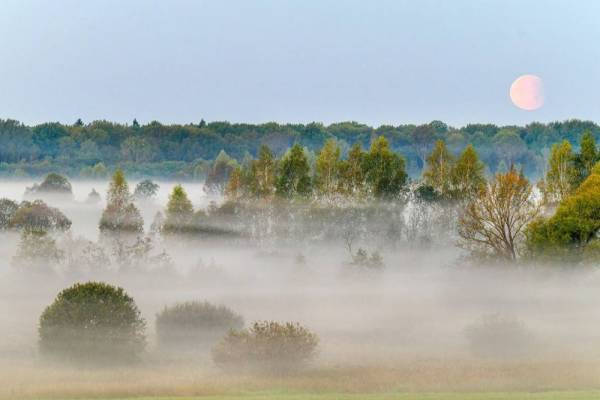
(567, 395)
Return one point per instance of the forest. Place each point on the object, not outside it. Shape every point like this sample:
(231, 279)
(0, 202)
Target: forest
(95, 149)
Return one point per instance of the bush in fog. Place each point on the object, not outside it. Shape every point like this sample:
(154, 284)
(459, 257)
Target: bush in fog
(8, 208)
(267, 347)
(37, 251)
(179, 213)
(93, 197)
(499, 336)
(53, 183)
(194, 324)
(120, 214)
(145, 190)
(38, 216)
(364, 260)
(92, 323)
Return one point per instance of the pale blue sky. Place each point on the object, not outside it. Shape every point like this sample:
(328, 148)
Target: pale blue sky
(378, 62)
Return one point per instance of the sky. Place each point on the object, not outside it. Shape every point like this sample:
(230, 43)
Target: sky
(376, 62)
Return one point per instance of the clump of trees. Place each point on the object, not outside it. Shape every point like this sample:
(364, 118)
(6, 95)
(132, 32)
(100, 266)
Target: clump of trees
(571, 234)
(379, 173)
(53, 184)
(194, 325)
(92, 323)
(32, 216)
(267, 346)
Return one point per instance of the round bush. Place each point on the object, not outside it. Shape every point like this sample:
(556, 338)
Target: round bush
(267, 346)
(92, 323)
(194, 324)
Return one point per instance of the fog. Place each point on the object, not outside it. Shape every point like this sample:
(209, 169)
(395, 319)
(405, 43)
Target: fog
(416, 323)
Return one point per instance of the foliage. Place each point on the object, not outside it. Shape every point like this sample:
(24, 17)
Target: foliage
(120, 214)
(179, 213)
(38, 216)
(145, 190)
(217, 177)
(294, 179)
(573, 230)
(8, 208)
(53, 183)
(267, 346)
(92, 322)
(561, 175)
(192, 324)
(37, 251)
(439, 169)
(384, 170)
(493, 222)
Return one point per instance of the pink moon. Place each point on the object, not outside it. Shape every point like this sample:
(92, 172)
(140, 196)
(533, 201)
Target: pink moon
(527, 92)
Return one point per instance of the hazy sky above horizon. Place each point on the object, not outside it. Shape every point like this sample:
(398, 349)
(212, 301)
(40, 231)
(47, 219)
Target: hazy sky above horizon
(377, 62)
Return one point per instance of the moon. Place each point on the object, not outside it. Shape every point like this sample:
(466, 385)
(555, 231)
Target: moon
(527, 92)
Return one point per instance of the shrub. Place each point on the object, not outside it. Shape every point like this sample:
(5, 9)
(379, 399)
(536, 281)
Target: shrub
(267, 346)
(52, 183)
(499, 336)
(38, 216)
(92, 323)
(194, 324)
(8, 208)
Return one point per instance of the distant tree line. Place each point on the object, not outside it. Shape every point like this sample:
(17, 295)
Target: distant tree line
(96, 149)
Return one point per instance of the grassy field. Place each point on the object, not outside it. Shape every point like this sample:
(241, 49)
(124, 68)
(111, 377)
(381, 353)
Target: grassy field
(584, 395)
(425, 380)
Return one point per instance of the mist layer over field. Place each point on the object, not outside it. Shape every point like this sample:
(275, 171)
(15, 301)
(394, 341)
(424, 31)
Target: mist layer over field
(426, 321)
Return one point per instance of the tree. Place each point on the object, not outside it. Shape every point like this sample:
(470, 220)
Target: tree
(294, 179)
(352, 176)
(467, 175)
(571, 234)
(438, 171)
(120, 214)
(146, 190)
(218, 175)
(586, 158)
(8, 208)
(194, 324)
(179, 213)
(422, 138)
(385, 174)
(38, 216)
(53, 183)
(37, 251)
(328, 167)
(263, 173)
(235, 186)
(92, 322)
(561, 175)
(493, 222)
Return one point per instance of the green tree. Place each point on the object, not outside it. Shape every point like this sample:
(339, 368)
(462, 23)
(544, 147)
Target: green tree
(120, 214)
(146, 190)
(561, 175)
(573, 230)
(263, 173)
(294, 178)
(179, 213)
(93, 323)
(352, 181)
(385, 173)
(586, 158)
(328, 167)
(467, 175)
(438, 171)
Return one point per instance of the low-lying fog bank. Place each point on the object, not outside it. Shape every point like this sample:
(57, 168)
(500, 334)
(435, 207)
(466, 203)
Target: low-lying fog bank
(424, 321)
